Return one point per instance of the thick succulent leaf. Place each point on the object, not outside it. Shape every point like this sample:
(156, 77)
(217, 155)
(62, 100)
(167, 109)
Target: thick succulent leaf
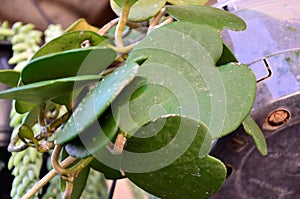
(84, 61)
(95, 137)
(121, 3)
(46, 90)
(108, 163)
(188, 2)
(69, 41)
(171, 37)
(254, 131)
(186, 64)
(214, 17)
(81, 24)
(24, 106)
(68, 97)
(141, 10)
(165, 154)
(80, 183)
(9, 77)
(97, 101)
(227, 56)
(240, 88)
(32, 116)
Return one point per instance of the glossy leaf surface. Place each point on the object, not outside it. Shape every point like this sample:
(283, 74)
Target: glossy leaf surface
(227, 56)
(141, 10)
(46, 90)
(254, 131)
(187, 175)
(9, 77)
(240, 88)
(70, 41)
(186, 64)
(95, 137)
(214, 17)
(80, 183)
(97, 101)
(84, 61)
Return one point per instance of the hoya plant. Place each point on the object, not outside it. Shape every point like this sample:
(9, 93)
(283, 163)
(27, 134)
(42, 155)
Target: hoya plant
(143, 97)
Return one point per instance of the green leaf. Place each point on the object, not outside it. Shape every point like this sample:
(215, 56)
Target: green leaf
(9, 77)
(46, 90)
(141, 10)
(84, 61)
(121, 3)
(254, 131)
(26, 132)
(240, 88)
(95, 137)
(104, 158)
(188, 2)
(163, 159)
(214, 17)
(32, 116)
(69, 41)
(221, 97)
(82, 24)
(23, 106)
(171, 37)
(227, 56)
(80, 183)
(97, 101)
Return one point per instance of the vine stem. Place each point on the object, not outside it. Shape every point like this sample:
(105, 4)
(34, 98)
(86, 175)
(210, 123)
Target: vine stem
(108, 26)
(121, 24)
(51, 174)
(156, 19)
(74, 170)
(125, 49)
(112, 23)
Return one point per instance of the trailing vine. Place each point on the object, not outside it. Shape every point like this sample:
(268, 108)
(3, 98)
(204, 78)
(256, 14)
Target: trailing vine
(141, 98)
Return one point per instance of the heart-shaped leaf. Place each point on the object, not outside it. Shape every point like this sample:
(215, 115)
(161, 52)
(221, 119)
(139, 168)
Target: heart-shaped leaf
(70, 41)
(9, 77)
(163, 159)
(141, 10)
(240, 88)
(97, 101)
(46, 90)
(186, 63)
(204, 38)
(214, 17)
(32, 116)
(84, 61)
(254, 131)
(24, 106)
(95, 137)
